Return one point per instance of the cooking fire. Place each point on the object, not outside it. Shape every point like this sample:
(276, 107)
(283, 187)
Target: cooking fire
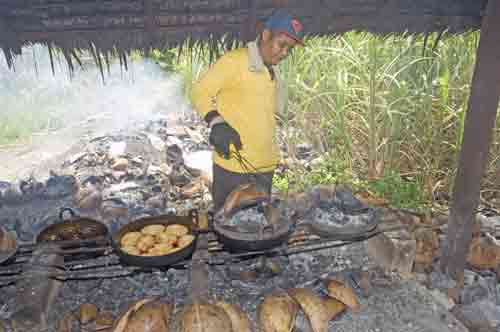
(123, 238)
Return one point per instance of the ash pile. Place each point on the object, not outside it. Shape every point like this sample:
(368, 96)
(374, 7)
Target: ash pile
(157, 170)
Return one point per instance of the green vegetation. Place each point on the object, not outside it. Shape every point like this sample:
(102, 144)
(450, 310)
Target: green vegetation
(387, 113)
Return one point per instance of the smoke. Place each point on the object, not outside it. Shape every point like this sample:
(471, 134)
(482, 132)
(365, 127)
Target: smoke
(59, 101)
(59, 110)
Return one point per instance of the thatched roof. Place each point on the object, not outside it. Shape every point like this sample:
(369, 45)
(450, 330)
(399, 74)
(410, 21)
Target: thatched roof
(118, 26)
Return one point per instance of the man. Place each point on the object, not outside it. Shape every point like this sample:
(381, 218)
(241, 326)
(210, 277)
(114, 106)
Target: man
(239, 97)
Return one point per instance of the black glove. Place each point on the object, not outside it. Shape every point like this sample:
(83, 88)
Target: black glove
(222, 136)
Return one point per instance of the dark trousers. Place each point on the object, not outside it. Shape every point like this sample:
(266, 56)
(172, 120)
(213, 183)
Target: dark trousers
(225, 181)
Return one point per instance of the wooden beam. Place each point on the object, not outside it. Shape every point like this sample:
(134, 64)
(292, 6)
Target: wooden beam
(478, 132)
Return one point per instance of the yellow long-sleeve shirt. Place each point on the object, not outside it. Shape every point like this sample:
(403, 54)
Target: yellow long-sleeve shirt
(242, 91)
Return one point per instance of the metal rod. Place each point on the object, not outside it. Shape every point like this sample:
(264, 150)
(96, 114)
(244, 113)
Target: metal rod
(29, 246)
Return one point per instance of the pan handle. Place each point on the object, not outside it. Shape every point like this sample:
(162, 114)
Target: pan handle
(66, 209)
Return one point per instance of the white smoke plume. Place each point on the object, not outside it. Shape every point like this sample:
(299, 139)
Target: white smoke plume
(67, 108)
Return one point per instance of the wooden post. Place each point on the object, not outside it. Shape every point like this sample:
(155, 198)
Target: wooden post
(478, 132)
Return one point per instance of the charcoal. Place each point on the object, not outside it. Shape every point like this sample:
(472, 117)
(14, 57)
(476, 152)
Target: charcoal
(174, 155)
(31, 187)
(59, 186)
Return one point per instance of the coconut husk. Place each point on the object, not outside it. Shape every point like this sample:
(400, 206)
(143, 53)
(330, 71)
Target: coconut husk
(239, 320)
(242, 195)
(147, 315)
(343, 293)
(202, 317)
(319, 311)
(277, 313)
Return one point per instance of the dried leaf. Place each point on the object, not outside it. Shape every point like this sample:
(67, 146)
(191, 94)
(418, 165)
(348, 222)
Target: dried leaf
(51, 57)
(483, 254)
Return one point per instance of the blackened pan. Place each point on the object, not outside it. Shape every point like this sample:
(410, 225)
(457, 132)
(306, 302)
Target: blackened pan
(163, 260)
(269, 237)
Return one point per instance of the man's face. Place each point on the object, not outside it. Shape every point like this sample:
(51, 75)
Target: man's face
(275, 47)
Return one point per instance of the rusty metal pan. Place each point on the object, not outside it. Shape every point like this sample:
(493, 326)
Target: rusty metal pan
(74, 232)
(73, 228)
(162, 260)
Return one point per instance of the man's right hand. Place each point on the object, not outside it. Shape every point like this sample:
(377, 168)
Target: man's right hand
(222, 135)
